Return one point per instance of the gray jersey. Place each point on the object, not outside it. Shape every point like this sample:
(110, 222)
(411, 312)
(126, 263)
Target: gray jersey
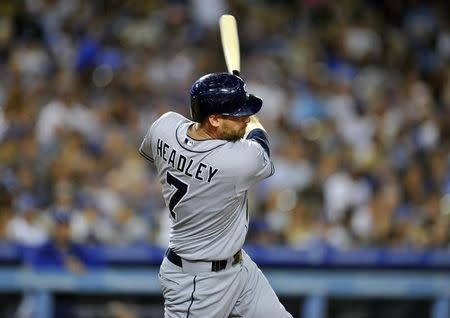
(204, 185)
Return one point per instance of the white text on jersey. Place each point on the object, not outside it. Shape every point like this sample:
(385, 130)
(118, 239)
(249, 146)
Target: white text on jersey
(200, 171)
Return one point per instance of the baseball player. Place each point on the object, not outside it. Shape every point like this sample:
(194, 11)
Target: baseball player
(206, 167)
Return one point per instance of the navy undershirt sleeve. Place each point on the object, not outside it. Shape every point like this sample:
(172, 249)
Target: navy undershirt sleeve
(261, 137)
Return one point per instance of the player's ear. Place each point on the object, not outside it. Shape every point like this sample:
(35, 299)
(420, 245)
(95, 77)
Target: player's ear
(214, 120)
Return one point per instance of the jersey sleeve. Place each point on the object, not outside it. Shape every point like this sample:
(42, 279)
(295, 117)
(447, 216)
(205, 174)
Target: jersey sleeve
(255, 164)
(146, 148)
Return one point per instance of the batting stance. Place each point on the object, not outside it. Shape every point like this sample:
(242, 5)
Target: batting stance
(206, 167)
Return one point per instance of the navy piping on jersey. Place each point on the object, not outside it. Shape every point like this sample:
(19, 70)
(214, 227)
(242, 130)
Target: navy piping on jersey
(196, 151)
(192, 299)
(143, 154)
(261, 138)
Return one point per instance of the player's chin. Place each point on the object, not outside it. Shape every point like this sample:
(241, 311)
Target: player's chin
(242, 132)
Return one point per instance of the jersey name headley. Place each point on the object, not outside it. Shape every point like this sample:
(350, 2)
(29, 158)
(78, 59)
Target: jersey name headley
(200, 171)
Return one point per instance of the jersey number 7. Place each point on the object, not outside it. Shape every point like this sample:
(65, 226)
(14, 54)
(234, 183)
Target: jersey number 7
(180, 192)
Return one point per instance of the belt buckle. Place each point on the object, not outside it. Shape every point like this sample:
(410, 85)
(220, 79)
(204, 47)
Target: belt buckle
(237, 257)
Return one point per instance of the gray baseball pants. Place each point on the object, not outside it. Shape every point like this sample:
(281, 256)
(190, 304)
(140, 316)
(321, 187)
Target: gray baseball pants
(240, 290)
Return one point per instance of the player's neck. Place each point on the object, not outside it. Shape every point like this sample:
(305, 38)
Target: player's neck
(200, 132)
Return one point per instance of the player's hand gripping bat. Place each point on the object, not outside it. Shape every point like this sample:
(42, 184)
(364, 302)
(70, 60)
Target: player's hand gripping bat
(230, 43)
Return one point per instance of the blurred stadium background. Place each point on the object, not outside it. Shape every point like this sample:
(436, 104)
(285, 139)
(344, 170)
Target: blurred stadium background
(354, 224)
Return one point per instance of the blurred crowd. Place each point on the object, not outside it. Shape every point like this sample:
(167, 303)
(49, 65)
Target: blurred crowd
(356, 102)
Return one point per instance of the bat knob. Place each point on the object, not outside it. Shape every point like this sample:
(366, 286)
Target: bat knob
(236, 72)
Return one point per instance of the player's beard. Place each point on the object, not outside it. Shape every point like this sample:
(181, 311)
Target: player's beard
(228, 133)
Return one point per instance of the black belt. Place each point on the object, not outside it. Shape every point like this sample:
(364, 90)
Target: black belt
(216, 266)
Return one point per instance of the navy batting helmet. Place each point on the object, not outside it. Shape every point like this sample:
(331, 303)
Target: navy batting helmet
(224, 94)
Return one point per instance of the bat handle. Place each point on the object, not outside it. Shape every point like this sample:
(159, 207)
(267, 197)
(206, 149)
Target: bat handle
(236, 72)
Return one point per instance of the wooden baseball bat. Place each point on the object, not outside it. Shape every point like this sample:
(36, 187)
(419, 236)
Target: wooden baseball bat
(230, 43)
